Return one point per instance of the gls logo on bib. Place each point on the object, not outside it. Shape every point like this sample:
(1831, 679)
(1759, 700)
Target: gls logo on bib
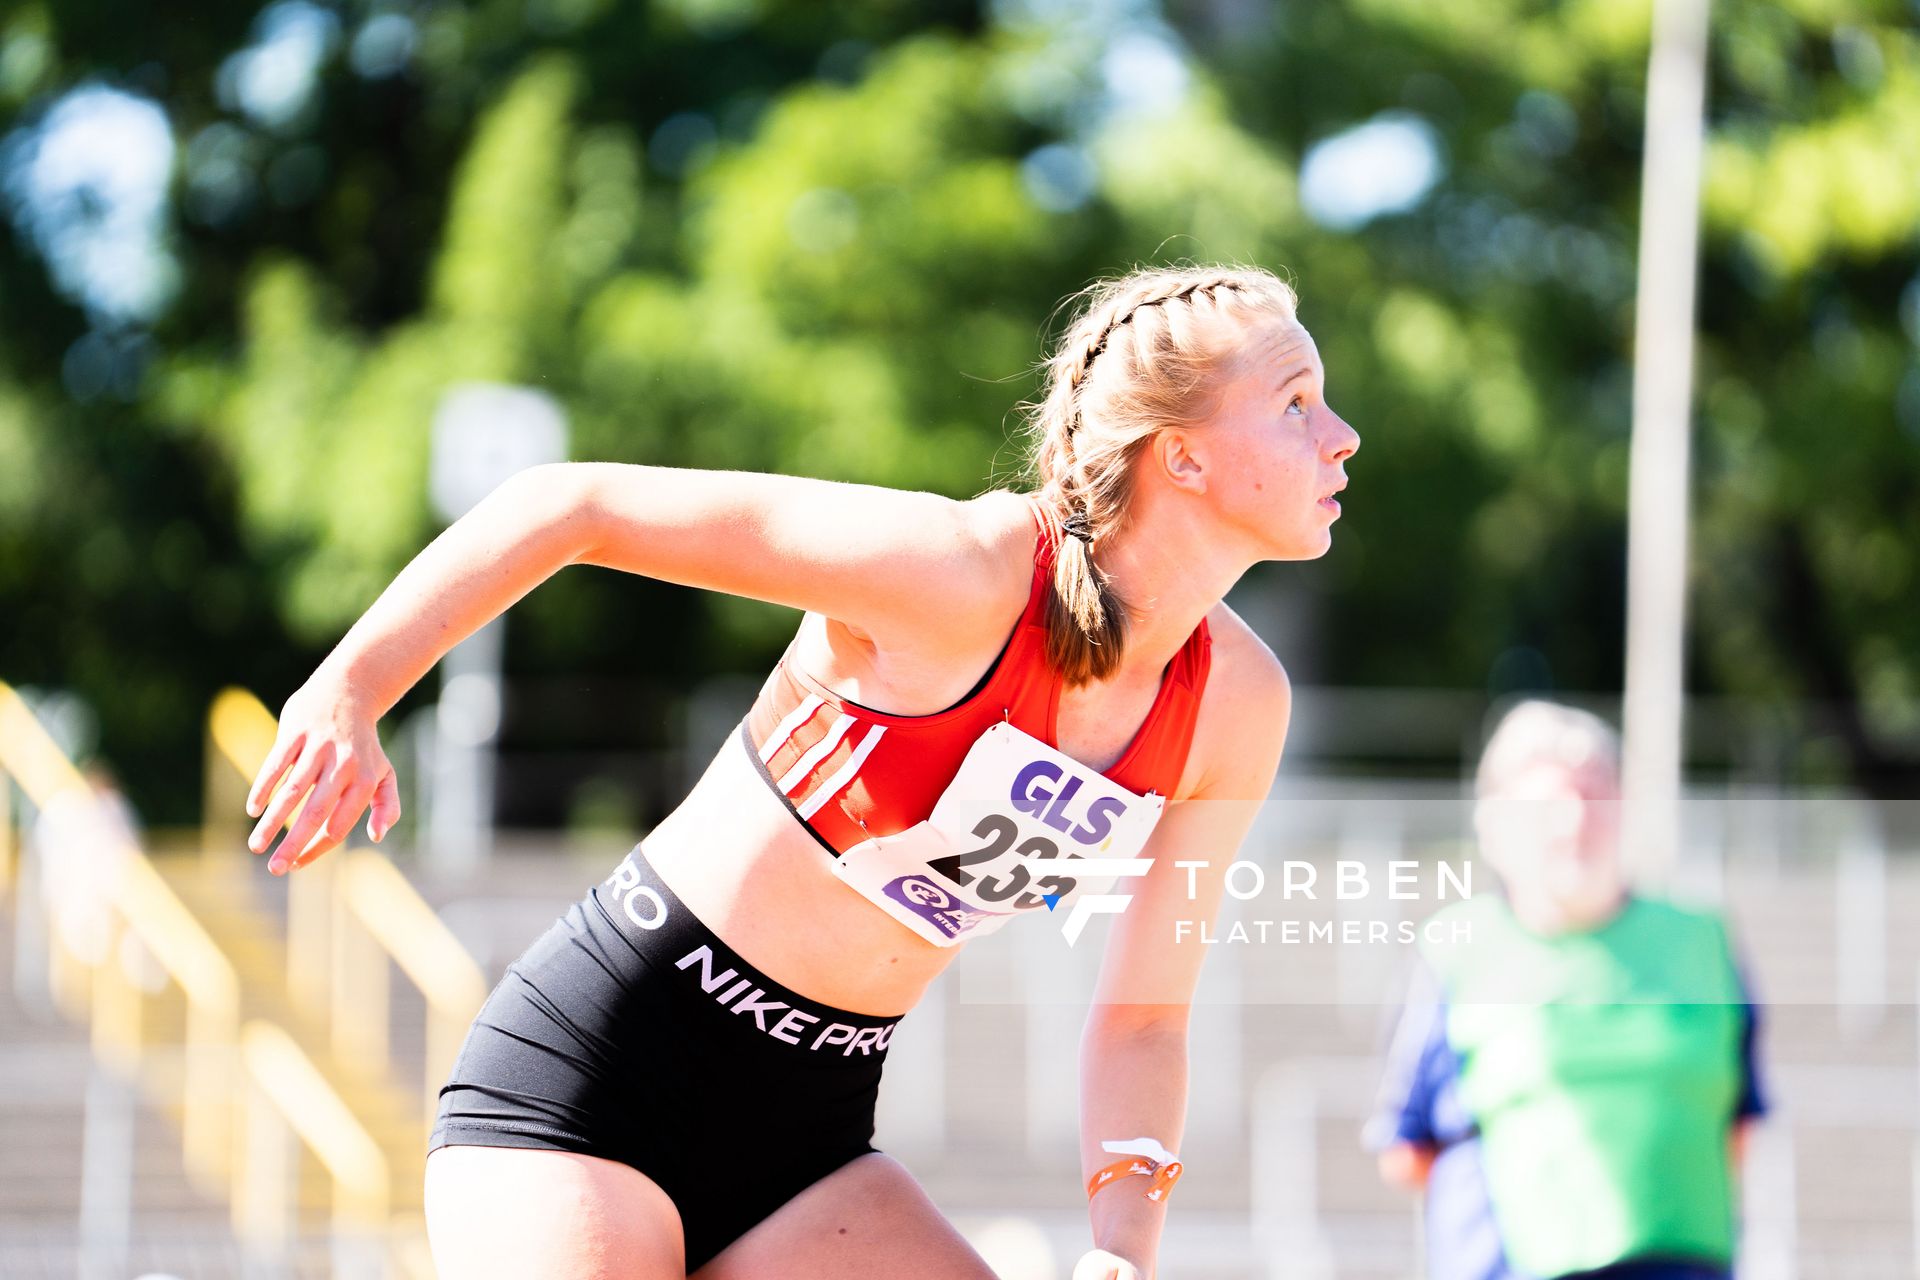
(1016, 829)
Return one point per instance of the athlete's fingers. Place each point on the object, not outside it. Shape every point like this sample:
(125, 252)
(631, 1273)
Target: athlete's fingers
(286, 748)
(283, 796)
(353, 802)
(319, 806)
(386, 806)
(338, 825)
(303, 775)
(302, 836)
(321, 843)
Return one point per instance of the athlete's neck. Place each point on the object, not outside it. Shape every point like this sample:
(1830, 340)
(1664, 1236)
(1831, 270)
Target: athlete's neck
(1171, 572)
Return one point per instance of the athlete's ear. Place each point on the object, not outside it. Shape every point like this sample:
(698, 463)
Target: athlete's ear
(1182, 459)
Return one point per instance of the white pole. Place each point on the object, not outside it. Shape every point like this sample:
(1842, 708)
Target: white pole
(1284, 1165)
(467, 724)
(1860, 911)
(482, 434)
(106, 1171)
(1662, 395)
(1770, 1203)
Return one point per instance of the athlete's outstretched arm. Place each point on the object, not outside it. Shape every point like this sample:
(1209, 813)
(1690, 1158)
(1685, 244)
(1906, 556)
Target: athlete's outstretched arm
(527, 529)
(1133, 1053)
(864, 555)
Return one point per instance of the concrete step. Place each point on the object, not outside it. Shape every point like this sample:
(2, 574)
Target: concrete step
(190, 1247)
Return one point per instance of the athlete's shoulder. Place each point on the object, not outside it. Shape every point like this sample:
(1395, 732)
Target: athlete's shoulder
(1244, 708)
(1003, 519)
(990, 542)
(1245, 668)
(1004, 531)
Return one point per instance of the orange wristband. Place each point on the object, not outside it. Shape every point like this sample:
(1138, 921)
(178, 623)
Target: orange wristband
(1163, 1175)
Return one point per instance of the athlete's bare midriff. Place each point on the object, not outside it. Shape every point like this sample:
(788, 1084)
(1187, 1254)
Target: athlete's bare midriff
(743, 863)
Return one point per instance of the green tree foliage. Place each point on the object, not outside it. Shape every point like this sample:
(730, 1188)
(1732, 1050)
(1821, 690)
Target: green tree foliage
(1486, 336)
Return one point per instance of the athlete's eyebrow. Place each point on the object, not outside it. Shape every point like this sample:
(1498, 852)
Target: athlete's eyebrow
(1304, 371)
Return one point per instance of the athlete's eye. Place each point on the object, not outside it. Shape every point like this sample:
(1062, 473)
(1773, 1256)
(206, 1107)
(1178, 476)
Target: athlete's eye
(1297, 405)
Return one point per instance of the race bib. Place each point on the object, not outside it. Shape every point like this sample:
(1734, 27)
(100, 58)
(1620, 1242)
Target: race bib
(1016, 830)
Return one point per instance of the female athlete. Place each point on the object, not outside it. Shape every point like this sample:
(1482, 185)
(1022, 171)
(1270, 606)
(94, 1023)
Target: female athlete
(982, 701)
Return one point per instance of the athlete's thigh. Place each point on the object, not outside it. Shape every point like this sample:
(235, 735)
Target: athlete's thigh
(517, 1211)
(868, 1218)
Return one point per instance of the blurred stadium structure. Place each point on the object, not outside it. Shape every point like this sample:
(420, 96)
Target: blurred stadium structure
(178, 1026)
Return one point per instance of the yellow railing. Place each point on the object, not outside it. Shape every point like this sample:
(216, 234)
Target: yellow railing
(7, 855)
(286, 1093)
(348, 913)
(146, 907)
(242, 1089)
(393, 920)
(235, 731)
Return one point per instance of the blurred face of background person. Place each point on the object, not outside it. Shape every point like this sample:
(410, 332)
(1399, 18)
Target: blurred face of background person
(1548, 816)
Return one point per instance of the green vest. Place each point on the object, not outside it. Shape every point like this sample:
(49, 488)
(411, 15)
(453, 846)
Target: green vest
(1602, 1070)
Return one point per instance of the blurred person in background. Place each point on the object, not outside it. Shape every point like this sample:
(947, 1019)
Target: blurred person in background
(81, 843)
(680, 1075)
(1574, 1072)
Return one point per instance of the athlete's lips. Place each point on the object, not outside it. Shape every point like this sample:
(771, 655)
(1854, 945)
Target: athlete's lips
(1330, 502)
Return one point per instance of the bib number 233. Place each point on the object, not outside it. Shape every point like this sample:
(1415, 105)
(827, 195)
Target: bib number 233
(1016, 808)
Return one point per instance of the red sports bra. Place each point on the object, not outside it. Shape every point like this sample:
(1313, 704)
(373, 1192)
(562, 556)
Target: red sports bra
(848, 772)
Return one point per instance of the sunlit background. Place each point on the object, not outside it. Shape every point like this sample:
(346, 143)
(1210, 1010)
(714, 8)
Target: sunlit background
(268, 273)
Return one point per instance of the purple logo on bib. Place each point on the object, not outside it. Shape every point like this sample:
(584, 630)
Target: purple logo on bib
(1035, 793)
(935, 905)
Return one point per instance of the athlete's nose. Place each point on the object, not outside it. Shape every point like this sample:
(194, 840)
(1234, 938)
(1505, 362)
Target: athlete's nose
(1345, 442)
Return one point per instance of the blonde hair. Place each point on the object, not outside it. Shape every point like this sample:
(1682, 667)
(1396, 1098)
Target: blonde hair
(1151, 349)
(1536, 729)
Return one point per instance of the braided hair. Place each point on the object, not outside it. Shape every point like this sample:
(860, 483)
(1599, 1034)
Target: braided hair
(1147, 350)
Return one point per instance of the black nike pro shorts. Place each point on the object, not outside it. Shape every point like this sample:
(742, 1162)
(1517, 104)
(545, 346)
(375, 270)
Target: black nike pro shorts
(629, 1031)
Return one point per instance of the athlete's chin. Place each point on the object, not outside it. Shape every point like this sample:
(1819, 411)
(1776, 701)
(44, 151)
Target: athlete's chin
(1309, 545)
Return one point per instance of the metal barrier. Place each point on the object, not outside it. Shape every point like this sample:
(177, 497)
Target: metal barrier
(147, 925)
(8, 856)
(286, 1096)
(1287, 1107)
(379, 915)
(349, 912)
(236, 730)
(144, 906)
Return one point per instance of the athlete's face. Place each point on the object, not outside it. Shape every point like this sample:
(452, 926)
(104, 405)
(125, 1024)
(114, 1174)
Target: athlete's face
(1275, 448)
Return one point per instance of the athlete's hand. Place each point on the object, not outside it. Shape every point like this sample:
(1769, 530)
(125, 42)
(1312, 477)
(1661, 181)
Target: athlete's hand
(1098, 1264)
(327, 742)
